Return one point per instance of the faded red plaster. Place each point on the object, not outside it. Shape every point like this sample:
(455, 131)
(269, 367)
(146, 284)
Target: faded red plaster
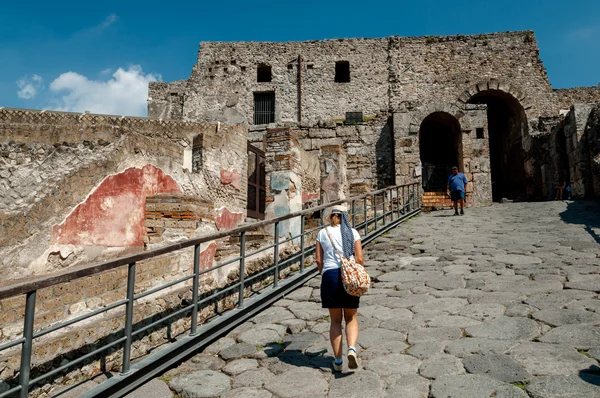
(207, 256)
(113, 214)
(227, 220)
(306, 196)
(231, 177)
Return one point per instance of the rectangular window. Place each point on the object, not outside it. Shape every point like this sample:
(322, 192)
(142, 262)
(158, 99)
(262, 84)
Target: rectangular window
(264, 108)
(263, 74)
(479, 132)
(342, 72)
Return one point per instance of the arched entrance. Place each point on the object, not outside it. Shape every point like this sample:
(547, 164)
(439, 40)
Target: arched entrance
(507, 125)
(440, 148)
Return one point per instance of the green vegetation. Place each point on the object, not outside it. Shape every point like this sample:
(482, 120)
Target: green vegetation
(521, 384)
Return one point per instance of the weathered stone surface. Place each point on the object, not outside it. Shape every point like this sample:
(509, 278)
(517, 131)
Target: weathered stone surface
(541, 359)
(252, 378)
(465, 347)
(406, 386)
(385, 348)
(375, 336)
(207, 362)
(575, 386)
(483, 312)
(294, 325)
(427, 349)
(516, 259)
(238, 351)
(560, 317)
(201, 384)
(473, 386)
(301, 341)
(383, 313)
(153, 389)
(262, 335)
(301, 294)
(393, 364)
(584, 282)
(442, 364)
(273, 315)
(500, 367)
(506, 328)
(247, 392)
(356, 385)
(308, 311)
(433, 334)
(409, 276)
(219, 345)
(447, 282)
(451, 305)
(238, 366)
(578, 336)
(453, 321)
(73, 391)
(298, 383)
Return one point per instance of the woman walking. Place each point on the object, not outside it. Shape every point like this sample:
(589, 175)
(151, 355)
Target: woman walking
(341, 305)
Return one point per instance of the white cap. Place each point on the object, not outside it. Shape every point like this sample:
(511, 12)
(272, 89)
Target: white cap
(339, 209)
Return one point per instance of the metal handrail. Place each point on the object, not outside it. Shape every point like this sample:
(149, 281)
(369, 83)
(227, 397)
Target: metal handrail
(407, 198)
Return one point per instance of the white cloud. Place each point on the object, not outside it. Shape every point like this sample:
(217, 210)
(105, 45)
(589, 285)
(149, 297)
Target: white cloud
(125, 93)
(584, 33)
(29, 86)
(109, 20)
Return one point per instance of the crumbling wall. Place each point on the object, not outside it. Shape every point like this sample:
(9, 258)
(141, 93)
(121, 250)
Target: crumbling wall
(577, 95)
(334, 180)
(592, 132)
(165, 100)
(63, 175)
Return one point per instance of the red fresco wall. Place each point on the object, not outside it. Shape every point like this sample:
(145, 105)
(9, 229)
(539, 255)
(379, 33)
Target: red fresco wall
(113, 214)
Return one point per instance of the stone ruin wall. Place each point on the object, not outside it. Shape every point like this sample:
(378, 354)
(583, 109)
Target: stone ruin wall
(577, 95)
(58, 170)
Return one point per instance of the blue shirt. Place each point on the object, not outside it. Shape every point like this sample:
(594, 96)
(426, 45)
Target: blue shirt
(457, 182)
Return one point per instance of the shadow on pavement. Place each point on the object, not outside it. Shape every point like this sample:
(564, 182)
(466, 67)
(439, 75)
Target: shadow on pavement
(586, 213)
(591, 375)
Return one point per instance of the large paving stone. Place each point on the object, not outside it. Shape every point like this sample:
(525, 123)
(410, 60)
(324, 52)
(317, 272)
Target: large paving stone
(393, 364)
(483, 312)
(239, 350)
(573, 386)
(385, 348)
(410, 276)
(584, 282)
(433, 334)
(504, 298)
(298, 383)
(439, 365)
(301, 294)
(253, 378)
(506, 328)
(272, 315)
(207, 362)
(427, 349)
(406, 386)
(412, 299)
(375, 336)
(453, 321)
(247, 392)
(384, 313)
(356, 385)
(293, 325)
(560, 317)
(238, 366)
(473, 386)
(301, 341)
(73, 391)
(219, 345)
(541, 359)
(578, 336)
(201, 384)
(471, 345)
(448, 282)
(554, 300)
(516, 259)
(262, 335)
(451, 305)
(500, 367)
(308, 311)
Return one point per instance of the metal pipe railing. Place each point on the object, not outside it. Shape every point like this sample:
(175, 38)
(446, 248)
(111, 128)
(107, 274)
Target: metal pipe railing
(407, 197)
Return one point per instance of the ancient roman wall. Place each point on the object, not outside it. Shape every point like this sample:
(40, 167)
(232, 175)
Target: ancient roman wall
(67, 180)
(577, 95)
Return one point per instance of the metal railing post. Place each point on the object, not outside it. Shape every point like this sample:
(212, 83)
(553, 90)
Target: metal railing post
(276, 256)
(353, 215)
(302, 255)
(365, 215)
(398, 202)
(384, 202)
(195, 287)
(27, 347)
(242, 268)
(129, 318)
(375, 209)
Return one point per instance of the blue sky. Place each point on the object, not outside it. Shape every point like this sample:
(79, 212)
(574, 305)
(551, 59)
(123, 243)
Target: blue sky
(100, 55)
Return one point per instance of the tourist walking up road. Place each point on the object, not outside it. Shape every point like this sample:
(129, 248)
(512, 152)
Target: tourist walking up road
(457, 185)
(341, 305)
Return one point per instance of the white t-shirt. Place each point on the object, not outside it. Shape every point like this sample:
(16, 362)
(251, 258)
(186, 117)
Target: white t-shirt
(331, 259)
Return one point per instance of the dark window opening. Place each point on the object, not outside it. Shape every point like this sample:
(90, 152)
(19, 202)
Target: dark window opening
(479, 131)
(233, 62)
(210, 69)
(309, 66)
(342, 72)
(264, 108)
(243, 69)
(290, 66)
(263, 74)
(225, 70)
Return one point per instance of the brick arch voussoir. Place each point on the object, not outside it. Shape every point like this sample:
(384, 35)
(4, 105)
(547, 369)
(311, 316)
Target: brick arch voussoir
(450, 108)
(497, 85)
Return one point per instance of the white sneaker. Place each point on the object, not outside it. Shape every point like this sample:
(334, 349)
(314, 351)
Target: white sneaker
(336, 367)
(352, 359)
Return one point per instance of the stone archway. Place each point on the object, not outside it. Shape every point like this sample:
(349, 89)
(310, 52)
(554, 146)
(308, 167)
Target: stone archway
(440, 148)
(507, 126)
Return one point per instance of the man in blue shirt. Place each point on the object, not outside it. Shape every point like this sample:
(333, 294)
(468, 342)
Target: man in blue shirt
(457, 184)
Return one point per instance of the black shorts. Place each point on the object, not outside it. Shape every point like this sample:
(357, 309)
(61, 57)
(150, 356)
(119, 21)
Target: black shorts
(456, 195)
(333, 294)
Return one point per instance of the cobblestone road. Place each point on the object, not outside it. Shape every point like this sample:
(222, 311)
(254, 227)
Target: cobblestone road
(502, 302)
